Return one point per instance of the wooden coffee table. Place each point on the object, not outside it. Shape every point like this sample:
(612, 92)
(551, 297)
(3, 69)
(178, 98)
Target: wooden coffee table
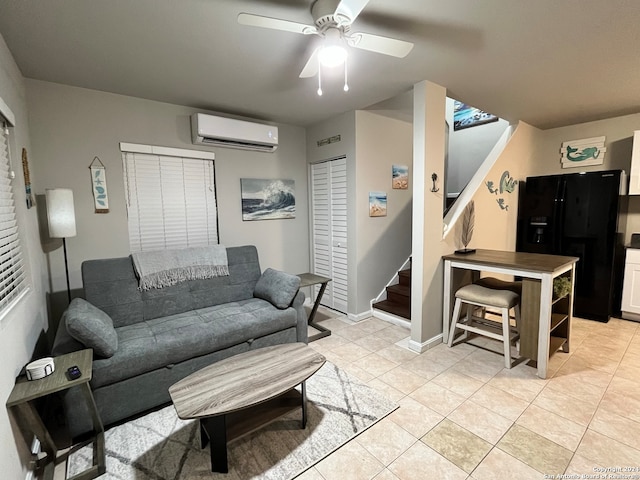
(262, 379)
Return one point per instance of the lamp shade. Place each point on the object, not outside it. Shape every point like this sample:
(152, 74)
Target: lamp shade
(60, 213)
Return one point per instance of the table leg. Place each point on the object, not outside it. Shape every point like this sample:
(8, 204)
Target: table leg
(304, 405)
(324, 332)
(28, 414)
(216, 429)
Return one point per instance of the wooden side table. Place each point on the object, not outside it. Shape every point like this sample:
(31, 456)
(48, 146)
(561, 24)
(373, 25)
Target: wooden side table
(308, 280)
(21, 403)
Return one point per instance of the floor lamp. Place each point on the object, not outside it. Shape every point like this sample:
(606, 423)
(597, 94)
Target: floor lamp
(62, 220)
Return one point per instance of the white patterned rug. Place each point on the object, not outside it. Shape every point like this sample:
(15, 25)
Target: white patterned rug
(160, 446)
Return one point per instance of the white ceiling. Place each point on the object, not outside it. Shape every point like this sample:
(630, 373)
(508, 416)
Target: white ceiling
(547, 62)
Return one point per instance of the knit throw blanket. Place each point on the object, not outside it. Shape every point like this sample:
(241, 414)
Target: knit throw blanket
(162, 268)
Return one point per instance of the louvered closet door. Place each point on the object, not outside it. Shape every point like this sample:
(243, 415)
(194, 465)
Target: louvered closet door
(329, 204)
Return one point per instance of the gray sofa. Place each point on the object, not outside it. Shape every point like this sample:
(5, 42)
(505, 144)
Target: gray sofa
(159, 336)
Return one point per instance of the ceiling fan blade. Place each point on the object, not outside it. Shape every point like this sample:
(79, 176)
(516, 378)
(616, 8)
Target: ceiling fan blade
(311, 67)
(349, 9)
(275, 24)
(378, 44)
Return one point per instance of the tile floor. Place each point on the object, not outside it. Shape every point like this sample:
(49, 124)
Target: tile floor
(463, 415)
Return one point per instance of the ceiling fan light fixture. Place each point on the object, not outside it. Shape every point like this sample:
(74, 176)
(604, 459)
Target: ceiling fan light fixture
(332, 56)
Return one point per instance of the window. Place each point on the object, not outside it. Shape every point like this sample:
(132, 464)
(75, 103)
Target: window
(12, 276)
(171, 200)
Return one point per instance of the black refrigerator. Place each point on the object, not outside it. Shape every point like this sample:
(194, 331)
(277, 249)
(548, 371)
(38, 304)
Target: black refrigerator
(577, 215)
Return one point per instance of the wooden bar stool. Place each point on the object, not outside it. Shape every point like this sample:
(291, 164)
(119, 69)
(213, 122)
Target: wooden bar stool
(483, 297)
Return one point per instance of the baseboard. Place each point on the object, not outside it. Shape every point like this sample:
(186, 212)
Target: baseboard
(424, 346)
(631, 316)
(358, 317)
(391, 318)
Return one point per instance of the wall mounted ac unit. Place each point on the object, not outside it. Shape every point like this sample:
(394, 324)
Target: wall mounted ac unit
(227, 132)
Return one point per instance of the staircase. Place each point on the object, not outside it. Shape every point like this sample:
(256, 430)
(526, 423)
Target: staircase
(398, 300)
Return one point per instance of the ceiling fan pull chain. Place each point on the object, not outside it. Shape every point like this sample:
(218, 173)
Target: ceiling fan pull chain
(319, 78)
(346, 85)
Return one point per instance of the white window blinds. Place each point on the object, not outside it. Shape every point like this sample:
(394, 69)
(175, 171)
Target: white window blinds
(171, 201)
(12, 276)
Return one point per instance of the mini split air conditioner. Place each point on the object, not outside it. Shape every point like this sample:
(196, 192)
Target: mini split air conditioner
(227, 132)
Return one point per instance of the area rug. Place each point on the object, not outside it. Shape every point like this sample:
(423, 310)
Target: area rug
(160, 446)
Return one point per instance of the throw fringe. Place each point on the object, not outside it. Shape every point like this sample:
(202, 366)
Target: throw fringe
(166, 278)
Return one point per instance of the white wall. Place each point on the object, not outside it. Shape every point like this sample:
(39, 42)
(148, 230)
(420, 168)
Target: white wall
(20, 327)
(468, 148)
(70, 126)
(383, 243)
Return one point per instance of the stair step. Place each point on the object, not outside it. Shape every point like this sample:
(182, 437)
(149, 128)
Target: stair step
(400, 310)
(399, 294)
(405, 277)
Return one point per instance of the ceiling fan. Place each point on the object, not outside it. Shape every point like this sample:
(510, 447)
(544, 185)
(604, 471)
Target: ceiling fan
(332, 21)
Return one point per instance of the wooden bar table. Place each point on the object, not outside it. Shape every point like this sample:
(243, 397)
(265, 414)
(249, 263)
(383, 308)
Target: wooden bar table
(545, 324)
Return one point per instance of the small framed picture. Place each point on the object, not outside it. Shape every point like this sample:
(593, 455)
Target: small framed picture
(377, 204)
(400, 177)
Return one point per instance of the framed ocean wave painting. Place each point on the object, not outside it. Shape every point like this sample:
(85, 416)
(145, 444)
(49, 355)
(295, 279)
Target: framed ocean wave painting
(267, 199)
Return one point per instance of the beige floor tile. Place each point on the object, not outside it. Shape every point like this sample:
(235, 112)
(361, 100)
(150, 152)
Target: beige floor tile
(336, 359)
(554, 427)
(403, 380)
(606, 451)
(478, 369)
(394, 333)
(334, 324)
(397, 354)
(350, 462)
(457, 445)
(375, 364)
(580, 466)
(414, 417)
(328, 343)
(386, 475)
(421, 462)
(481, 421)
(373, 342)
(586, 359)
(350, 352)
(561, 404)
(621, 404)
(499, 465)
(386, 440)
(521, 384)
(535, 450)
(628, 372)
(500, 402)
(425, 366)
(361, 374)
(617, 427)
(353, 332)
(391, 392)
(626, 387)
(372, 325)
(576, 388)
(458, 382)
(437, 398)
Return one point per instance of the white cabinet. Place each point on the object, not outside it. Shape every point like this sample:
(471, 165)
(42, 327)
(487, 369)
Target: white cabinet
(631, 286)
(634, 182)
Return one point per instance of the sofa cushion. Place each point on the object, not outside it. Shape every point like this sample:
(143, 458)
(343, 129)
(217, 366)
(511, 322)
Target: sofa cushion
(277, 287)
(92, 327)
(162, 342)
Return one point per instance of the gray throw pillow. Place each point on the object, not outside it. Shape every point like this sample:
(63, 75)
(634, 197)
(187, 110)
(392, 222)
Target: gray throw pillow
(92, 327)
(277, 287)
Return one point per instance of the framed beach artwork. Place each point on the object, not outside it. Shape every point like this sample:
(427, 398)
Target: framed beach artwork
(465, 116)
(267, 199)
(400, 177)
(377, 204)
